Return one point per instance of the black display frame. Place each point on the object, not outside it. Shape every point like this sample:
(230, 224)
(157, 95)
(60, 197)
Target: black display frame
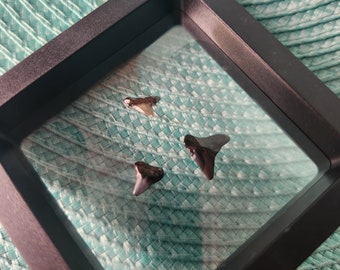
(55, 75)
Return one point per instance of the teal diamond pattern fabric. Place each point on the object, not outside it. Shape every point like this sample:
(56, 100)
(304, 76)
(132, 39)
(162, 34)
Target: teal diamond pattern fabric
(26, 25)
(85, 155)
(326, 256)
(309, 29)
(10, 258)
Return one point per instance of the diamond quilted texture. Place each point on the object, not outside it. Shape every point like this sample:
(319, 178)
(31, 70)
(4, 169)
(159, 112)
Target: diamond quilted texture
(9, 255)
(27, 25)
(310, 30)
(93, 130)
(85, 156)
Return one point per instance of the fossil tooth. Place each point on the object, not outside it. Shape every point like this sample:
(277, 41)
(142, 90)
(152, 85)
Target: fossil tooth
(142, 105)
(204, 151)
(146, 175)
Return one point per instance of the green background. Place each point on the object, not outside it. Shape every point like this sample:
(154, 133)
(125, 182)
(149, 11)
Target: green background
(85, 155)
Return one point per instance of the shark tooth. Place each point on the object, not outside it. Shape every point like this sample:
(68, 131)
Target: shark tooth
(204, 151)
(142, 105)
(146, 175)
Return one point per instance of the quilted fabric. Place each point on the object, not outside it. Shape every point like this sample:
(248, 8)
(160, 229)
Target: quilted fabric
(311, 30)
(26, 25)
(10, 258)
(85, 155)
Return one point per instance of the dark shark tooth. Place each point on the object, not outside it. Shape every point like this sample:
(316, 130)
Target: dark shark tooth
(204, 151)
(146, 175)
(142, 105)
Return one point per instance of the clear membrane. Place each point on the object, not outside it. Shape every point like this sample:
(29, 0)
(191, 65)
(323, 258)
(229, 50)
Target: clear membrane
(85, 156)
(311, 31)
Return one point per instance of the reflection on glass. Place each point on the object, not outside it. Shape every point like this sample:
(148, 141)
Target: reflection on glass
(27, 25)
(10, 258)
(86, 155)
(327, 256)
(309, 29)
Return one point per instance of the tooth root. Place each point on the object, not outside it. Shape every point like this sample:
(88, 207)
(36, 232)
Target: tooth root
(146, 176)
(141, 185)
(142, 105)
(205, 159)
(204, 151)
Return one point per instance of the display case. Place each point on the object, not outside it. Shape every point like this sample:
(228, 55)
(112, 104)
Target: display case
(69, 143)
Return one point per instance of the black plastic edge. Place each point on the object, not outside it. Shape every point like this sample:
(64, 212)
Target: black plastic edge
(42, 233)
(46, 94)
(85, 52)
(316, 204)
(295, 232)
(257, 94)
(64, 45)
(268, 64)
(236, 41)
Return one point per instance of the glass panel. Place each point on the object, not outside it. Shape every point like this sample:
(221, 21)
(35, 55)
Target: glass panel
(26, 25)
(309, 29)
(86, 155)
(10, 259)
(326, 257)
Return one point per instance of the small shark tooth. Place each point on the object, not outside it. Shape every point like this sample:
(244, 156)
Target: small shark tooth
(142, 105)
(204, 151)
(146, 175)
